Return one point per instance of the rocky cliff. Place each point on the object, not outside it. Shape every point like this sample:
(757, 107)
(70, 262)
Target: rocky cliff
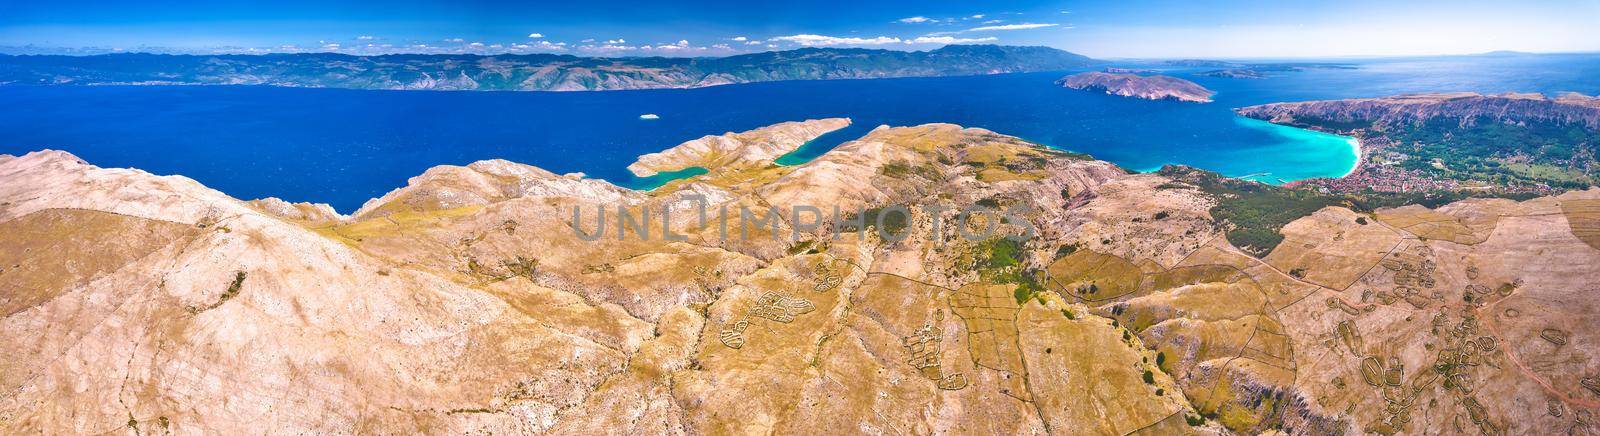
(1462, 108)
(537, 72)
(466, 302)
(1155, 87)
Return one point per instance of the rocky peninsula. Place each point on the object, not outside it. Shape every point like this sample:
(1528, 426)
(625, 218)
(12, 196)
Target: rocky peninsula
(1153, 87)
(1235, 73)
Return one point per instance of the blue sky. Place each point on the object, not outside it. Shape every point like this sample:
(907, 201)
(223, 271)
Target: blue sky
(1132, 28)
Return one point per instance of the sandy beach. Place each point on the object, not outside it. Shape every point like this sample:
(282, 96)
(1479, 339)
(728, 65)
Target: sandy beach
(1361, 156)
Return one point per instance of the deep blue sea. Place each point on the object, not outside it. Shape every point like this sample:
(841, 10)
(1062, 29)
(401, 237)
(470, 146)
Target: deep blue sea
(345, 146)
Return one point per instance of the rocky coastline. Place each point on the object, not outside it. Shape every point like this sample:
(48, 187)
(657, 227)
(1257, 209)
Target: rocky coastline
(1152, 87)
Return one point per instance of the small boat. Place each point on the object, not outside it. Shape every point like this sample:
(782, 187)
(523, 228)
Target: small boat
(649, 117)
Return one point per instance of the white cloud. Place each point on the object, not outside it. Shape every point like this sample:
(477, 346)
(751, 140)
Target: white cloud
(994, 21)
(609, 48)
(455, 40)
(476, 44)
(1020, 26)
(535, 35)
(616, 46)
(539, 46)
(916, 19)
(809, 40)
(753, 43)
(587, 40)
(366, 37)
(616, 41)
(331, 46)
(740, 38)
(948, 40)
(683, 44)
(977, 16)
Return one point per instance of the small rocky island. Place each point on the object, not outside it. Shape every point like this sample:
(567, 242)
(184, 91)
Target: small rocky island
(1236, 73)
(1155, 87)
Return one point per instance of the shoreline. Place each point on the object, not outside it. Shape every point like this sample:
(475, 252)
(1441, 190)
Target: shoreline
(1361, 156)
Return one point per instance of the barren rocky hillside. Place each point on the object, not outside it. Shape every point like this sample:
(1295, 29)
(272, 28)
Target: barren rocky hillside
(465, 302)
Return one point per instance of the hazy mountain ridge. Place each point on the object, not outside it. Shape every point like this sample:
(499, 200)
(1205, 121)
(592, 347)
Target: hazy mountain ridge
(532, 72)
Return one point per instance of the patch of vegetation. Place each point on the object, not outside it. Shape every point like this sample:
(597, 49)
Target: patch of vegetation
(1560, 155)
(1149, 377)
(1001, 260)
(1028, 162)
(1194, 420)
(800, 247)
(995, 202)
(1067, 250)
(1061, 153)
(232, 291)
(1000, 253)
(894, 222)
(522, 267)
(1068, 314)
(901, 170)
(1253, 213)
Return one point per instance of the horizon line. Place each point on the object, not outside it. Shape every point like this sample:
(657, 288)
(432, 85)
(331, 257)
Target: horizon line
(9, 51)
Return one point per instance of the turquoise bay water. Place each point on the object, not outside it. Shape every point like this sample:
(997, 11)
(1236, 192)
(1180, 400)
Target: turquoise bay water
(661, 178)
(345, 146)
(1291, 146)
(817, 147)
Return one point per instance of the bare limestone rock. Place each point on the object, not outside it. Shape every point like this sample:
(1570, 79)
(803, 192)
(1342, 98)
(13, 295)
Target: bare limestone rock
(466, 302)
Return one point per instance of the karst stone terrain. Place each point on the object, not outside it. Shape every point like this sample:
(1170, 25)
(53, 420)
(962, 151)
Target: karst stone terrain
(495, 298)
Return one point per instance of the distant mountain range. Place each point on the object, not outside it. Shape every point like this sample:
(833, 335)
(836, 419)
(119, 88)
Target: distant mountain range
(534, 72)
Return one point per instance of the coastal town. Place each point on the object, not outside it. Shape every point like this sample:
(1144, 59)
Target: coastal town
(1378, 170)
